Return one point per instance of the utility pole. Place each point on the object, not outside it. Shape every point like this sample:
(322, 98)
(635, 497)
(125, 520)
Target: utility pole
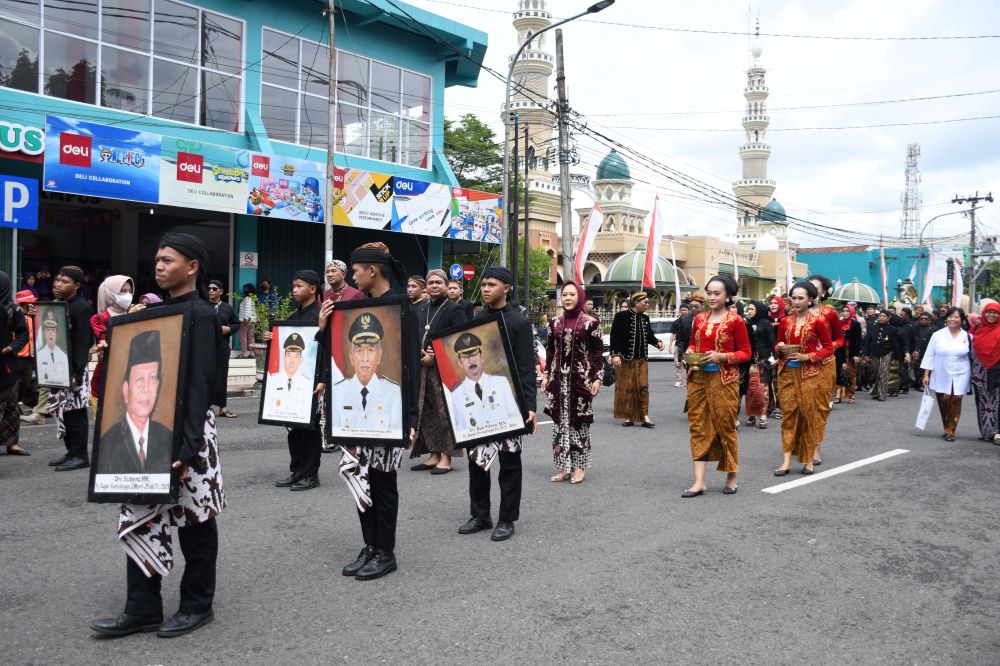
(562, 107)
(524, 297)
(331, 133)
(973, 201)
(515, 207)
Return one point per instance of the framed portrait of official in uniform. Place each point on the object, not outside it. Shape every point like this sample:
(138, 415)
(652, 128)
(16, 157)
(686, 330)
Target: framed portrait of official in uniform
(367, 405)
(480, 381)
(288, 396)
(52, 345)
(139, 422)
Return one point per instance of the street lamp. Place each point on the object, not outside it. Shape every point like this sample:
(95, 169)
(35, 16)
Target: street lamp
(920, 247)
(593, 9)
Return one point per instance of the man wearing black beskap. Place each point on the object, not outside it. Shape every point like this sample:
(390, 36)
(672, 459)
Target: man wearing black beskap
(69, 405)
(495, 286)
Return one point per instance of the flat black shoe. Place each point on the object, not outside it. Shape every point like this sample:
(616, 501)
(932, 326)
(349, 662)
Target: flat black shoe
(692, 493)
(440, 470)
(782, 472)
(18, 452)
(473, 525)
(285, 483)
(730, 491)
(306, 483)
(126, 624)
(648, 424)
(806, 471)
(628, 424)
(184, 623)
(55, 462)
(949, 438)
(504, 531)
(421, 467)
(818, 461)
(367, 553)
(382, 563)
(72, 464)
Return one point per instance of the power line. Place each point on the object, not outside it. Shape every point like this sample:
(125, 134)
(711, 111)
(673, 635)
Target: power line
(809, 129)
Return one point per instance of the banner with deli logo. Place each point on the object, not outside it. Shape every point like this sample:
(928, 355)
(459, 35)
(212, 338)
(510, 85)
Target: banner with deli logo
(204, 176)
(101, 160)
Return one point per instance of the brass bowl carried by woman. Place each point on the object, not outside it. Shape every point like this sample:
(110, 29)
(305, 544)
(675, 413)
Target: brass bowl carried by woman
(791, 350)
(694, 359)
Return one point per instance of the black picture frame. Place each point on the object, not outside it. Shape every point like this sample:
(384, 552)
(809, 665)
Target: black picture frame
(308, 334)
(443, 355)
(127, 487)
(336, 404)
(49, 372)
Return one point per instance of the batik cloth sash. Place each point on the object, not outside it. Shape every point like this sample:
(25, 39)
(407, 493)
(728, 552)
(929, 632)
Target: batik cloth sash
(355, 465)
(146, 531)
(484, 454)
(67, 400)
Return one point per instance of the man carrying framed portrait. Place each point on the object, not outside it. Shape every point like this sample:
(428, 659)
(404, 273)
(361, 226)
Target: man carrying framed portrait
(290, 391)
(496, 284)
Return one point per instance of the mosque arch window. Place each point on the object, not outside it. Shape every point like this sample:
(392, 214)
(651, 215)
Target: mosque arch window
(610, 223)
(607, 192)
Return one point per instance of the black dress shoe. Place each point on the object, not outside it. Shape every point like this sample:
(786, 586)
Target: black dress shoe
(306, 483)
(473, 525)
(58, 461)
(183, 623)
(687, 494)
(367, 553)
(286, 483)
(126, 624)
(71, 464)
(504, 531)
(382, 563)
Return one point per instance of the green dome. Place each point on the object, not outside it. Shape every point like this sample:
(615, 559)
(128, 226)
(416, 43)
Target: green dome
(630, 266)
(613, 167)
(856, 291)
(774, 212)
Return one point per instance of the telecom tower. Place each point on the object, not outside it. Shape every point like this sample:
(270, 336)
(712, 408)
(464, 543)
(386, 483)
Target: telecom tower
(909, 223)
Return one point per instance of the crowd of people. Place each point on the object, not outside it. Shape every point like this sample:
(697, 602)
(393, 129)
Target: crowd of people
(790, 359)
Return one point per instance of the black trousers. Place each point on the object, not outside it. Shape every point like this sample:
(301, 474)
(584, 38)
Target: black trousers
(76, 433)
(304, 448)
(510, 489)
(378, 523)
(200, 545)
(222, 377)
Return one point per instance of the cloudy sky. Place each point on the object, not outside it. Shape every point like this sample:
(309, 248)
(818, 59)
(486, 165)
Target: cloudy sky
(640, 77)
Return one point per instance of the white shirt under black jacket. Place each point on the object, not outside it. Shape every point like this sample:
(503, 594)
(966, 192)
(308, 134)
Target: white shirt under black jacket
(947, 358)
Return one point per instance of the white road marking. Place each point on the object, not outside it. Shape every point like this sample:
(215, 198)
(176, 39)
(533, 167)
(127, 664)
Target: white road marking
(818, 476)
(545, 423)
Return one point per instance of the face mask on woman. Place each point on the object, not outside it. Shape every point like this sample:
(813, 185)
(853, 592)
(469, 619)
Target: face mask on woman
(123, 300)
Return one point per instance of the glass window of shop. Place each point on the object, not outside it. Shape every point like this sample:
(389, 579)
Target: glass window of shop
(152, 57)
(383, 111)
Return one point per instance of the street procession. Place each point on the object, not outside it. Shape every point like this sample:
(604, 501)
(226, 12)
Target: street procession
(283, 294)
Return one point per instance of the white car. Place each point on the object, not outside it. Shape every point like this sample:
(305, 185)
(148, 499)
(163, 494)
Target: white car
(661, 327)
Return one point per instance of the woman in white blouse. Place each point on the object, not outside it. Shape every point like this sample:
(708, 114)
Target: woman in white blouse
(947, 370)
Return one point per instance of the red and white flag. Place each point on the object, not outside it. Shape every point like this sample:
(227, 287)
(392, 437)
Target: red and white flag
(885, 276)
(736, 264)
(928, 286)
(657, 230)
(788, 268)
(589, 231)
(958, 284)
(677, 274)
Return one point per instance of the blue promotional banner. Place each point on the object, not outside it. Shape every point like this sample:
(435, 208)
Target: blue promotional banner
(420, 207)
(101, 160)
(18, 202)
(286, 188)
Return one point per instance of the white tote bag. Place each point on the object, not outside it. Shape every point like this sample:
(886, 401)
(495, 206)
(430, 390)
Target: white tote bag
(926, 407)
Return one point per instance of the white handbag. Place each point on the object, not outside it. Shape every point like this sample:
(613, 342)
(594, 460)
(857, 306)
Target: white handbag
(926, 407)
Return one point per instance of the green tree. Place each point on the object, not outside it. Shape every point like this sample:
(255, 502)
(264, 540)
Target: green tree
(474, 153)
(539, 264)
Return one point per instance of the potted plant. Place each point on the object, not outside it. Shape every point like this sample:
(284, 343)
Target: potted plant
(265, 315)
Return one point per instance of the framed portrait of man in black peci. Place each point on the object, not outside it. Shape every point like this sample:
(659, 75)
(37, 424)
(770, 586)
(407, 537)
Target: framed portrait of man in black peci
(138, 427)
(369, 352)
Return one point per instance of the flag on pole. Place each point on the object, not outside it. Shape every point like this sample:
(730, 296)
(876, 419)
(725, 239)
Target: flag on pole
(656, 230)
(736, 265)
(788, 268)
(677, 275)
(885, 277)
(928, 286)
(590, 228)
(912, 277)
(837, 284)
(958, 285)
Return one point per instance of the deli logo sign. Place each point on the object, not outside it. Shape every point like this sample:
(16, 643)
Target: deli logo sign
(189, 167)
(260, 166)
(74, 149)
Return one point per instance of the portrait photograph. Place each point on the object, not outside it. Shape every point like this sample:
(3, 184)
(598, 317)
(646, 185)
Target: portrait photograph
(290, 381)
(139, 422)
(367, 404)
(480, 382)
(52, 345)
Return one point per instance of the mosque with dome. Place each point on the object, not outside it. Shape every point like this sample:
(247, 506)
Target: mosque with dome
(615, 265)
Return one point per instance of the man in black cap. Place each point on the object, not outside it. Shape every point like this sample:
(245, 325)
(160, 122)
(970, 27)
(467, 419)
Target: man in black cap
(69, 405)
(137, 444)
(495, 286)
(304, 444)
(146, 532)
(455, 296)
